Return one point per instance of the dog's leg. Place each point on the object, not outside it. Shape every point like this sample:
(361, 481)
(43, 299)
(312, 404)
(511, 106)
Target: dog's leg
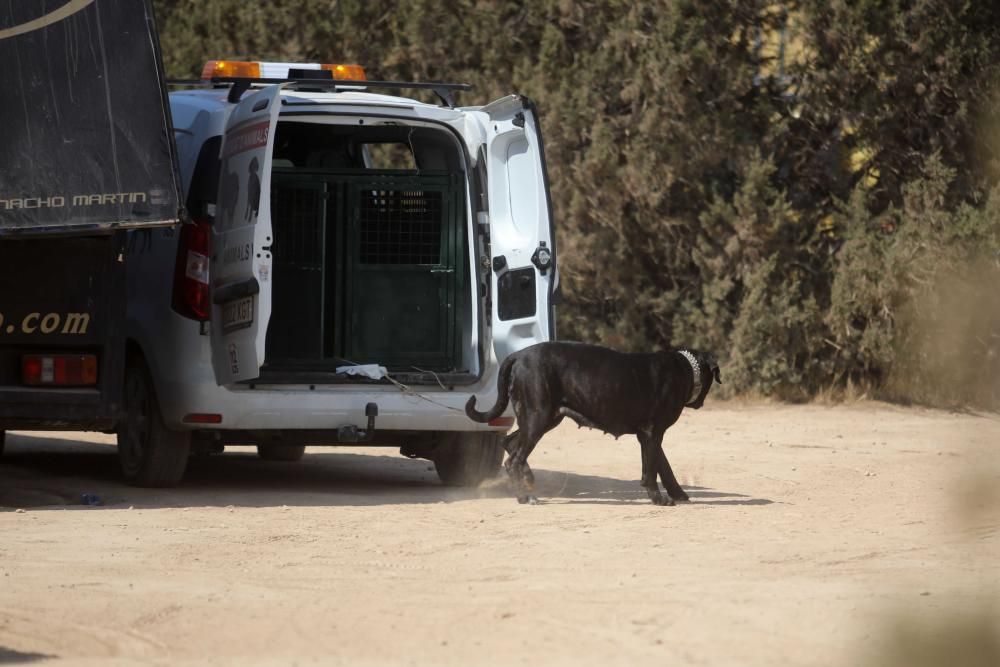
(667, 474)
(525, 477)
(517, 464)
(649, 468)
(511, 443)
(520, 475)
(522, 479)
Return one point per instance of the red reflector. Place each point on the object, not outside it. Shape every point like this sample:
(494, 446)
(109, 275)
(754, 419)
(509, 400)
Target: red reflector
(202, 418)
(59, 370)
(506, 422)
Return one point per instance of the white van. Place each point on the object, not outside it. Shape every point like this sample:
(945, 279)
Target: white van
(358, 264)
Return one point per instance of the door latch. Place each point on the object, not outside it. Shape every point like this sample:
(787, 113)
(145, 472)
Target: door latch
(542, 258)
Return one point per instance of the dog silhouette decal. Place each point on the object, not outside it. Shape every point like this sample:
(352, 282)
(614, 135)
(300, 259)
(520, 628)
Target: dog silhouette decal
(253, 192)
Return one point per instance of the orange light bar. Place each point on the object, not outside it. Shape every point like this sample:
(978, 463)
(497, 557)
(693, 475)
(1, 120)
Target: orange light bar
(230, 68)
(346, 72)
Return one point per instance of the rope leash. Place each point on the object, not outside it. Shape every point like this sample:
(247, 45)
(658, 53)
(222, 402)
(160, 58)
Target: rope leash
(409, 390)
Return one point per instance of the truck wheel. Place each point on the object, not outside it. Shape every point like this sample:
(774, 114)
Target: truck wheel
(150, 454)
(281, 452)
(468, 459)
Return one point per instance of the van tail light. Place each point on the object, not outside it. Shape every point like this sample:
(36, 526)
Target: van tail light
(202, 418)
(191, 292)
(59, 370)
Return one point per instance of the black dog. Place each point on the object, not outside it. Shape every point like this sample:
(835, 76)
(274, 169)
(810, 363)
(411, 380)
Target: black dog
(600, 388)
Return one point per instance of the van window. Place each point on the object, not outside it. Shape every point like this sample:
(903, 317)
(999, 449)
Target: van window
(302, 145)
(204, 185)
(389, 156)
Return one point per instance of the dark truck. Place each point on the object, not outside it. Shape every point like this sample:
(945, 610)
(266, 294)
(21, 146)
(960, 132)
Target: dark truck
(86, 153)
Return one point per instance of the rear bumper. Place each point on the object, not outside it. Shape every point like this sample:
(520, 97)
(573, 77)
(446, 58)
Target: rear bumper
(54, 409)
(329, 408)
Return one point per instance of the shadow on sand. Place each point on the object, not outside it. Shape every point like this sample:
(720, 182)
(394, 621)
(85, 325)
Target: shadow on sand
(9, 656)
(55, 473)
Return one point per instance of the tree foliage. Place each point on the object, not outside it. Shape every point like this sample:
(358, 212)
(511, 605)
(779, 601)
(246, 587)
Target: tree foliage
(807, 187)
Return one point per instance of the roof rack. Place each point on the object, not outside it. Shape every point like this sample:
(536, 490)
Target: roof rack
(239, 85)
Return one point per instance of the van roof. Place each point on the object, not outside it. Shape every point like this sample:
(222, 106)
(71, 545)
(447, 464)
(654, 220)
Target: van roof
(218, 98)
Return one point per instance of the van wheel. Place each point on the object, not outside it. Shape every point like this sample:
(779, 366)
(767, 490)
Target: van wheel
(149, 453)
(468, 459)
(281, 452)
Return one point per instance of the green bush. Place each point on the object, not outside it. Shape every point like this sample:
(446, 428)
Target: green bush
(807, 188)
(914, 295)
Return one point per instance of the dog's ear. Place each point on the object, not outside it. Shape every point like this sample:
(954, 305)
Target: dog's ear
(713, 364)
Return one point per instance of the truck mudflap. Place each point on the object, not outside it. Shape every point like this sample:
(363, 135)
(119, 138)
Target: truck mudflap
(87, 141)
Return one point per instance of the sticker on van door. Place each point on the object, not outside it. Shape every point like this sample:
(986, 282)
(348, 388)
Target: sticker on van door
(235, 211)
(253, 192)
(234, 360)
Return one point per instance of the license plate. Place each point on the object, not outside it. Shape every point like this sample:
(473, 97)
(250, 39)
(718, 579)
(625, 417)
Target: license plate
(237, 314)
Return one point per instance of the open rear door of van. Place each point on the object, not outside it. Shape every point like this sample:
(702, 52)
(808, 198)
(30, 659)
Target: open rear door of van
(87, 145)
(524, 277)
(241, 239)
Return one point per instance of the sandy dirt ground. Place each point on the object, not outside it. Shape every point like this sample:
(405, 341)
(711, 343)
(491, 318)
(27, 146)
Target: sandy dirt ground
(816, 535)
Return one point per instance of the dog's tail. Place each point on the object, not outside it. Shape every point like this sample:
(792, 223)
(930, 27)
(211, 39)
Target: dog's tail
(503, 395)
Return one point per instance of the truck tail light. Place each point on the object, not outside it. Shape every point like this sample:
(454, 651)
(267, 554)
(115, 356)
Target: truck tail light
(59, 370)
(191, 293)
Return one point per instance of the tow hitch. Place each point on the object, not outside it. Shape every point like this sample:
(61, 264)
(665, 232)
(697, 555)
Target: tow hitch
(351, 433)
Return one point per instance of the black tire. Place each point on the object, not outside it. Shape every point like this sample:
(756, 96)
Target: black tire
(281, 452)
(468, 459)
(150, 454)
(3, 441)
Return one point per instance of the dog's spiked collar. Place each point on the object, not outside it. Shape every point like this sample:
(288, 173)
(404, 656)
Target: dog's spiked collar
(696, 368)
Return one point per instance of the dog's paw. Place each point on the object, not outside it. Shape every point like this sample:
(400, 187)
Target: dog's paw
(527, 500)
(665, 501)
(681, 496)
